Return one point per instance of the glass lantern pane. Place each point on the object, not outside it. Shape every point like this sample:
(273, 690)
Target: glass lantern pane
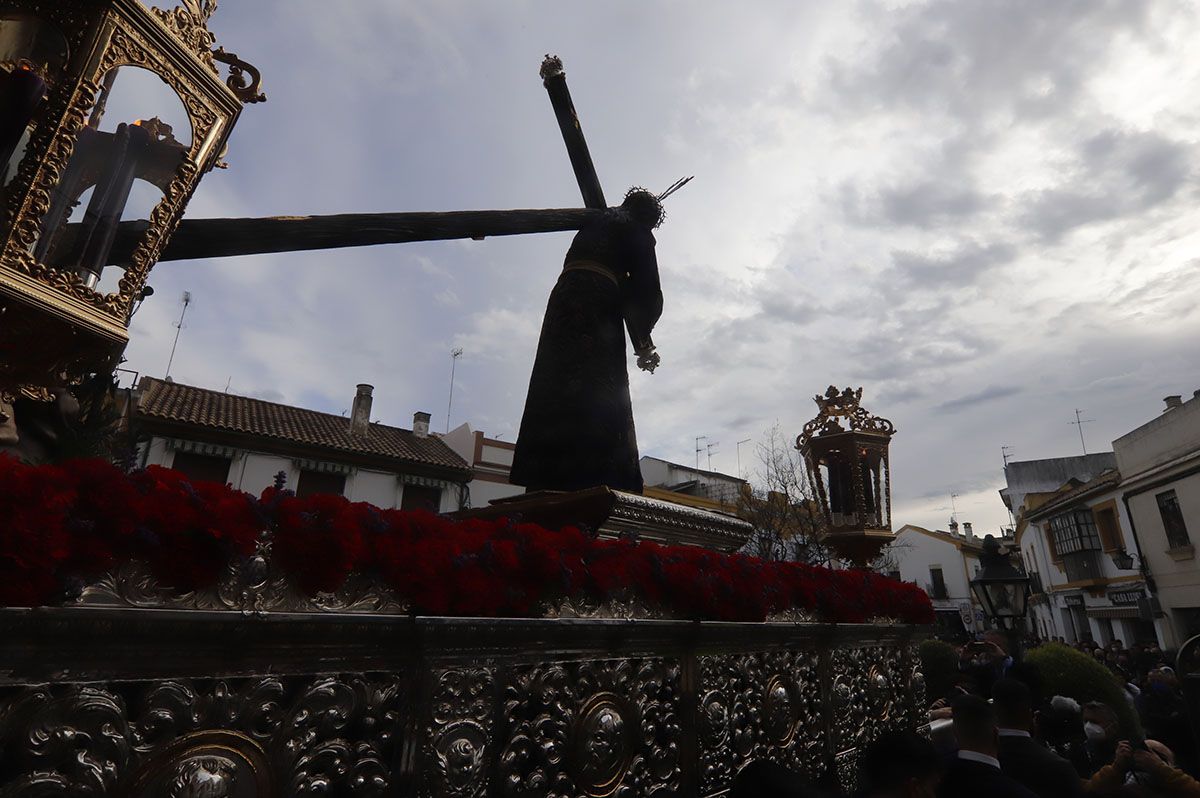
(32, 51)
(1004, 599)
(125, 158)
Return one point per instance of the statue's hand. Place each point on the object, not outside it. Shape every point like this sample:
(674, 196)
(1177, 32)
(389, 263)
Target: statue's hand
(648, 359)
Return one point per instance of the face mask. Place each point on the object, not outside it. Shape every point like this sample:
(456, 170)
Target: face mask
(1094, 731)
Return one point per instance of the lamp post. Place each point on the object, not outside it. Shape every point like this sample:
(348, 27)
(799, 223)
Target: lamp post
(1003, 591)
(103, 104)
(845, 451)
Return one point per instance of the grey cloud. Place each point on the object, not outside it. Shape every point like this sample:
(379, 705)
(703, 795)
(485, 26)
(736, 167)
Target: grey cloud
(987, 58)
(989, 394)
(1117, 174)
(928, 204)
(961, 267)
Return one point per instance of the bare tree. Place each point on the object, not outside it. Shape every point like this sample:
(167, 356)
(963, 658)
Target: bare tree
(779, 503)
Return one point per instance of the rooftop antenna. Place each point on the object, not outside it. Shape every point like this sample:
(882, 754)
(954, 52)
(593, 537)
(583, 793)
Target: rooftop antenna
(699, 449)
(455, 354)
(739, 455)
(1006, 452)
(710, 448)
(1079, 422)
(953, 508)
(187, 300)
(228, 382)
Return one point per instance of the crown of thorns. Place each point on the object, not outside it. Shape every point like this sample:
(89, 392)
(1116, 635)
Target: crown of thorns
(647, 196)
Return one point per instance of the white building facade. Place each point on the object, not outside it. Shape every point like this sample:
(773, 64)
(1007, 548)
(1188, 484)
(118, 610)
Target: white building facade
(1072, 542)
(247, 442)
(491, 462)
(1160, 496)
(943, 564)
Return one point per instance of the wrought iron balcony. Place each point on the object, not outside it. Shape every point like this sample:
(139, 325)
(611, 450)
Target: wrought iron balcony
(1082, 565)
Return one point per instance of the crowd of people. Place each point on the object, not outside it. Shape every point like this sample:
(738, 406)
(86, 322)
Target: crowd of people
(995, 733)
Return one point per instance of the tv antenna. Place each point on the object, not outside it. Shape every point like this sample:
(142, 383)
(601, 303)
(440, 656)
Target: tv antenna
(1079, 422)
(710, 448)
(187, 300)
(1006, 452)
(739, 455)
(953, 507)
(699, 449)
(455, 354)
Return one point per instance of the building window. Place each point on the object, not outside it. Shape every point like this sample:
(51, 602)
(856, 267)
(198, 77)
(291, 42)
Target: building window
(1110, 529)
(418, 497)
(1172, 518)
(202, 467)
(311, 483)
(937, 584)
(1075, 531)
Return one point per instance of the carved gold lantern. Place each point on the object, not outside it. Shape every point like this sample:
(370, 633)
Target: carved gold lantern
(845, 452)
(110, 114)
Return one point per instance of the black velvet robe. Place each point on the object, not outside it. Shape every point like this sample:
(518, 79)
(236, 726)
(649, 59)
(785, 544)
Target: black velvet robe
(577, 430)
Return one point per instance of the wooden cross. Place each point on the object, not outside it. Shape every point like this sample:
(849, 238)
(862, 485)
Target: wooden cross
(220, 238)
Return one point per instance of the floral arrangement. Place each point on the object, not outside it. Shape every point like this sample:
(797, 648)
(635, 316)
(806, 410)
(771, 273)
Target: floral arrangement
(61, 525)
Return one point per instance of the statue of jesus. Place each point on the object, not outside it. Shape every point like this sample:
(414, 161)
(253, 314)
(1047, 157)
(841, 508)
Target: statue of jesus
(577, 430)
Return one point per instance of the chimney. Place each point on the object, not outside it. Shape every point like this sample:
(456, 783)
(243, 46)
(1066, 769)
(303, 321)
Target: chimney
(967, 533)
(421, 424)
(360, 413)
(1173, 402)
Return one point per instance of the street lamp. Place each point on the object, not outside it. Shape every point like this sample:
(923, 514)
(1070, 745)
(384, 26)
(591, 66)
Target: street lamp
(1002, 590)
(1123, 560)
(845, 451)
(110, 115)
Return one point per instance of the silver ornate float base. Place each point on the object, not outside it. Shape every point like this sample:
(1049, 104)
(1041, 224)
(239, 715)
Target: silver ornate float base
(98, 701)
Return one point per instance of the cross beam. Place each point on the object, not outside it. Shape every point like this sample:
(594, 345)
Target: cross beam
(222, 238)
(555, 81)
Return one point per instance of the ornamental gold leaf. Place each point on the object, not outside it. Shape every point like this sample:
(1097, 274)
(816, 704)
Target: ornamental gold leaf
(201, 9)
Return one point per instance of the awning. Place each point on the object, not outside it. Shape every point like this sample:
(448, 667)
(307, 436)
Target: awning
(1113, 612)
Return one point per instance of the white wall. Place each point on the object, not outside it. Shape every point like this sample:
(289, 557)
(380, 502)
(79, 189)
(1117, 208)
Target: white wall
(484, 492)
(255, 472)
(1173, 434)
(376, 487)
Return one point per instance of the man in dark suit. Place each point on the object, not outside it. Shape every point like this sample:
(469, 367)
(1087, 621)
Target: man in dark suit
(1023, 758)
(975, 770)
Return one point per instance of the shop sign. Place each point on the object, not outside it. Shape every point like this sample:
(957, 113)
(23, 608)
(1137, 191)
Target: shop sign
(1125, 596)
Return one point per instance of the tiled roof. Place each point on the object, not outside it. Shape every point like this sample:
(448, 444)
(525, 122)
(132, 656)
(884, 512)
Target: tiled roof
(1069, 493)
(222, 412)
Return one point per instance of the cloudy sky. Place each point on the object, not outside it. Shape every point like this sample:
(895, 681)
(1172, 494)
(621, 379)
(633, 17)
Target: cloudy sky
(984, 213)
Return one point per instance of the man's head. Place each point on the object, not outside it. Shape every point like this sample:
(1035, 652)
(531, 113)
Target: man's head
(1013, 704)
(1100, 721)
(900, 765)
(975, 725)
(643, 207)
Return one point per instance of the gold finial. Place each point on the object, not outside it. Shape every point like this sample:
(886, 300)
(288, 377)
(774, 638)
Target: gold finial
(836, 406)
(201, 9)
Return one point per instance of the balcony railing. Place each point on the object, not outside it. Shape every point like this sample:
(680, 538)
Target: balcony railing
(937, 591)
(1081, 565)
(1035, 583)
